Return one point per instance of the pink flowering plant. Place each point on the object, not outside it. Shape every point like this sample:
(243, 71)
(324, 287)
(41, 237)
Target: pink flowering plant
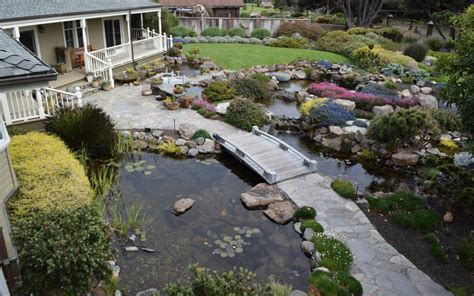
(363, 101)
(203, 104)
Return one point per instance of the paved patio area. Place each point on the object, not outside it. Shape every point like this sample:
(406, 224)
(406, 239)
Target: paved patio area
(378, 266)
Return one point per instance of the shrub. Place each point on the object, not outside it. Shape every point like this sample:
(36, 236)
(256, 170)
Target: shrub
(448, 146)
(289, 42)
(434, 43)
(418, 219)
(237, 32)
(331, 19)
(338, 42)
(390, 33)
(390, 57)
(49, 174)
(410, 37)
(308, 30)
(212, 32)
(344, 188)
(437, 249)
(203, 104)
(305, 213)
(368, 155)
(61, 250)
(466, 252)
(251, 88)
(244, 114)
(359, 31)
(307, 107)
(311, 224)
(417, 51)
(334, 252)
(88, 128)
(328, 114)
(170, 148)
(201, 133)
(245, 14)
(180, 31)
(390, 84)
(380, 91)
(174, 52)
(219, 91)
(261, 33)
(411, 75)
(413, 127)
(367, 59)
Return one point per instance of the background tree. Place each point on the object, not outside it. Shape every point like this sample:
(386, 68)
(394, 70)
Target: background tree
(360, 13)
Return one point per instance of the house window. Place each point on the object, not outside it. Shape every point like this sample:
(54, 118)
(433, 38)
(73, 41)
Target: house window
(73, 34)
(113, 35)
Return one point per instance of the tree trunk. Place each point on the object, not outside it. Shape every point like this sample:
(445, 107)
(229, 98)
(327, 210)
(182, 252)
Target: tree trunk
(365, 11)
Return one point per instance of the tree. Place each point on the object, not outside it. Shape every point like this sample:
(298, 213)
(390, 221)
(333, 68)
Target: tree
(362, 11)
(460, 89)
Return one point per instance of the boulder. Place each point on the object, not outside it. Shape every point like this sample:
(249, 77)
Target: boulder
(193, 152)
(299, 74)
(405, 159)
(355, 130)
(332, 143)
(308, 248)
(280, 212)
(298, 293)
(207, 147)
(308, 234)
(282, 76)
(448, 217)
(406, 94)
(363, 203)
(147, 92)
(200, 141)
(414, 89)
(428, 101)
(383, 110)
(261, 196)
(181, 142)
(184, 149)
(182, 205)
(221, 108)
(346, 104)
(426, 90)
(335, 131)
(297, 227)
(187, 130)
(157, 133)
(191, 144)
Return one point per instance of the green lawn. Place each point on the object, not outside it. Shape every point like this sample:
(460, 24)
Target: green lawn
(237, 56)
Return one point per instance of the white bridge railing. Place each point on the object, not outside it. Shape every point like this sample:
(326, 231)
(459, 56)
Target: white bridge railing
(26, 105)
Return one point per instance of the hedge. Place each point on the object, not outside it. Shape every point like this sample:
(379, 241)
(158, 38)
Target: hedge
(49, 174)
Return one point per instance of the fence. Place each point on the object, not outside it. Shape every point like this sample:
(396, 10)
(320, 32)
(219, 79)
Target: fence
(198, 24)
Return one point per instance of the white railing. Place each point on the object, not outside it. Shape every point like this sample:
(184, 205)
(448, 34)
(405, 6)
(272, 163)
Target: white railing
(118, 55)
(99, 68)
(25, 105)
(147, 47)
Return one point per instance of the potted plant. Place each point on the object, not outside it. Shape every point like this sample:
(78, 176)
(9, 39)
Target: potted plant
(171, 104)
(106, 85)
(89, 77)
(178, 89)
(95, 83)
(185, 102)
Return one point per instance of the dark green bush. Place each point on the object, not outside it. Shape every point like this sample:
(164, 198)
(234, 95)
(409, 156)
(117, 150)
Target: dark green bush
(466, 252)
(174, 51)
(201, 133)
(437, 249)
(400, 200)
(290, 42)
(335, 253)
(407, 126)
(180, 31)
(390, 84)
(418, 219)
(351, 284)
(212, 32)
(305, 213)
(245, 14)
(237, 32)
(88, 128)
(447, 120)
(308, 30)
(261, 33)
(367, 59)
(61, 250)
(219, 91)
(344, 188)
(312, 224)
(251, 88)
(417, 51)
(390, 33)
(244, 114)
(435, 44)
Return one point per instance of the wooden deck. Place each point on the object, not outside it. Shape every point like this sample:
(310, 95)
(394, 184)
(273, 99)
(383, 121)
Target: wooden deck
(270, 157)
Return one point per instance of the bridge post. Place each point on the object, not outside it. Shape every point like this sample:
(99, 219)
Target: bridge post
(271, 177)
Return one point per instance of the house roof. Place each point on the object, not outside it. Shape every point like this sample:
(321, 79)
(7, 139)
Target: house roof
(210, 3)
(19, 65)
(31, 9)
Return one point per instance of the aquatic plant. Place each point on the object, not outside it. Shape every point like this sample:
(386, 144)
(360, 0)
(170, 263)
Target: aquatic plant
(102, 179)
(139, 166)
(344, 188)
(229, 246)
(304, 213)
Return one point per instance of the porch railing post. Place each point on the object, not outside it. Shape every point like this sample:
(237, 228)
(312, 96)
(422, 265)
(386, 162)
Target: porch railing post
(147, 32)
(79, 96)
(39, 101)
(111, 73)
(165, 42)
(171, 40)
(6, 110)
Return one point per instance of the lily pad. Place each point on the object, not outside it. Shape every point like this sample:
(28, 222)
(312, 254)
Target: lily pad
(224, 254)
(139, 169)
(227, 238)
(238, 250)
(256, 230)
(231, 254)
(150, 167)
(237, 237)
(236, 228)
(146, 173)
(217, 251)
(218, 242)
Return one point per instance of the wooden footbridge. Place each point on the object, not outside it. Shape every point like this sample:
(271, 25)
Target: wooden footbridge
(267, 155)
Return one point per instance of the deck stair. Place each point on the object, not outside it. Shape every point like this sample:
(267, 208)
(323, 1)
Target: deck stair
(267, 155)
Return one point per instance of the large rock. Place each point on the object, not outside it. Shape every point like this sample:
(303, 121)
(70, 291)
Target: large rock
(308, 248)
(193, 152)
(261, 196)
(406, 94)
(207, 147)
(182, 205)
(221, 108)
(299, 74)
(187, 130)
(280, 212)
(414, 89)
(332, 143)
(405, 159)
(428, 101)
(335, 131)
(346, 104)
(383, 110)
(426, 90)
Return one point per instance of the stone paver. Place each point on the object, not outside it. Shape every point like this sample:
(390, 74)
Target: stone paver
(377, 265)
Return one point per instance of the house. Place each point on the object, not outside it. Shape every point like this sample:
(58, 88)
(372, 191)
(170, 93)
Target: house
(218, 8)
(84, 36)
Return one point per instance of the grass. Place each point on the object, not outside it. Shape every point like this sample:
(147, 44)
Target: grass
(238, 56)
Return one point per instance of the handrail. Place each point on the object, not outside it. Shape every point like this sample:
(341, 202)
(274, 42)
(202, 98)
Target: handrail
(242, 153)
(59, 91)
(89, 54)
(5, 138)
(312, 164)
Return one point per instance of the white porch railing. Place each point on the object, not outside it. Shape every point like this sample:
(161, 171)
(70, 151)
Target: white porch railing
(25, 105)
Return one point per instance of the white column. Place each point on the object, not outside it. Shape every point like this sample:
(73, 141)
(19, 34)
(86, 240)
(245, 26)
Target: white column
(127, 19)
(111, 73)
(86, 43)
(6, 110)
(39, 101)
(165, 42)
(159, 22)
(16, 33)
(141, 20)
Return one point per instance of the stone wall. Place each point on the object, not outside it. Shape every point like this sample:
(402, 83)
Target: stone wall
(198, 24)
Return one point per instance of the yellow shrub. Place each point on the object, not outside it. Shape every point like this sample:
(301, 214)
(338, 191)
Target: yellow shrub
(307, 106)
(49, 174)
(392, 57)
(448, 146)
(170, 148)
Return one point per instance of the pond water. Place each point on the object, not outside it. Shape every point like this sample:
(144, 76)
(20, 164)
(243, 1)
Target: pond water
(199, 235)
